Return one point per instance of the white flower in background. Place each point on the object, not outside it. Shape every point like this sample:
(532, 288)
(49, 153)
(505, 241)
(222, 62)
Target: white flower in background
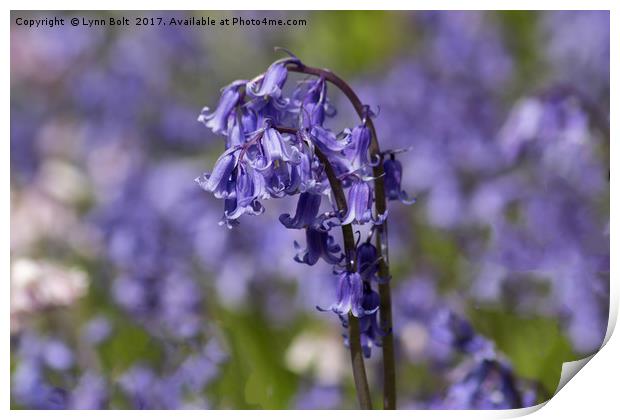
(62, 181)
(36, 216)
(37, 285)
(319, 353)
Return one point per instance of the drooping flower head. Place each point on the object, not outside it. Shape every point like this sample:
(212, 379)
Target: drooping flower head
(278, 145)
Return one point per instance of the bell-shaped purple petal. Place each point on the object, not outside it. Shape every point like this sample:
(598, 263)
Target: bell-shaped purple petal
(350, 295)
(393, 177)
(270, 84)
(247, 188)
(275, 149)
(371, 334)
(305, 214)
(239, 126)
(217, 181)
(360, 203)
(320, 244)
(217, 121)
(312, 103)
(357, 150)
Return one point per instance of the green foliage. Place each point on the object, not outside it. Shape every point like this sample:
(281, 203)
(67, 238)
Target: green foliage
(417, 380)
(522, 38)
(255, 376)
(535, 346)
(128, 345)
(437, 249)
(337, 36)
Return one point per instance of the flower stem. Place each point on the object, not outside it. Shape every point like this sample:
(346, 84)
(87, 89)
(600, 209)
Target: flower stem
(385, 309)
(355, 345)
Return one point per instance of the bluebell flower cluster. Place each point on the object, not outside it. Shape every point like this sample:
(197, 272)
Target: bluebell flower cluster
(279, 145)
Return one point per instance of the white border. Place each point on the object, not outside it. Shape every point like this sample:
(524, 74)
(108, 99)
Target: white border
(592, 394)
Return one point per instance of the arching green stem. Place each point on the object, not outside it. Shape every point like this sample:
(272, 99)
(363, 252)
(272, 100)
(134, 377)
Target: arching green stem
(385, 309)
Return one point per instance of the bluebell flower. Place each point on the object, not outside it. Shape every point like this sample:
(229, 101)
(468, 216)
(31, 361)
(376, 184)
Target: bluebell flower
(357, 149)
(249, 188)
(217, 121)
(371, 333)
(240, 125)
(360, 205)
(305, 215)
(367, 261)
(312, 98)
(354, 296)
(265, 93)
(311, 172)
(269, 84)
(320, 244)
(393, 177)
(350, 294)
(249, 185)
(218, 181)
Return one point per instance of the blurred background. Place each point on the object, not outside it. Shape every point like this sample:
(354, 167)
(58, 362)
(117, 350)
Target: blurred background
(125, 292)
